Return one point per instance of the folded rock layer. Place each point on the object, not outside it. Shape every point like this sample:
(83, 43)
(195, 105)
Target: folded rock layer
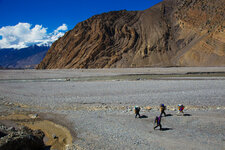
(171, 33)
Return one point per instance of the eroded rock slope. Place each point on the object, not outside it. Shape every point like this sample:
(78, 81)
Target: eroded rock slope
(171, 33)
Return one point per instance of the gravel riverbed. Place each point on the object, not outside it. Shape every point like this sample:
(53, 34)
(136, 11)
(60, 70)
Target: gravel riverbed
(100, 112)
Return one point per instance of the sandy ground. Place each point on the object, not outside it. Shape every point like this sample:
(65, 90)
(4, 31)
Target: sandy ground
(99, 112)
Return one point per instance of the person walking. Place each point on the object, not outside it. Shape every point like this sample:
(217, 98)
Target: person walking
(162, 110)
(158, 122)
(137, 111)
(180, 109)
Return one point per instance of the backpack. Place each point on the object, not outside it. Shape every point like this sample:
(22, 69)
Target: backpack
(156, 119)
(137, 109)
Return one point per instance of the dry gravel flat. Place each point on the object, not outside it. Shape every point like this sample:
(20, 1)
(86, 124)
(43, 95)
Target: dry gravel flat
(64, 73)
(101, 111)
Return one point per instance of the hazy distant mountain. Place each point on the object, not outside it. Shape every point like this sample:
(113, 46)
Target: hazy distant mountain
(22, 58)
(171, 33)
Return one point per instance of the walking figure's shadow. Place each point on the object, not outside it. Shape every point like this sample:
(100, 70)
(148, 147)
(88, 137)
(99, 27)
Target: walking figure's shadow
(166, 129)
(184, 115)
(143, 116)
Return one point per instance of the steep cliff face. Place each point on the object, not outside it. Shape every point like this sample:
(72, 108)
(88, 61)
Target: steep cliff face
(171, 33)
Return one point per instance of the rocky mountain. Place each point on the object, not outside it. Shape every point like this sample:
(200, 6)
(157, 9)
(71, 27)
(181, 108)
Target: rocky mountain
(171, 33)
(22, 58)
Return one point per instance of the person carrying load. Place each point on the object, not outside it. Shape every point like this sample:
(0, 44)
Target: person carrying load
(137, 111)
(162, 110)
(158, 122)
(180, 109)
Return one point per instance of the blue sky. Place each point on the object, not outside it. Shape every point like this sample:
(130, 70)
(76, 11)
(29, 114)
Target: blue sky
(50, 15)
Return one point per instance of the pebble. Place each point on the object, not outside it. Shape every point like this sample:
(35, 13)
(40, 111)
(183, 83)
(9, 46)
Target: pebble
(148, 108)
(33, 116)
(54, 136)
(11, 129)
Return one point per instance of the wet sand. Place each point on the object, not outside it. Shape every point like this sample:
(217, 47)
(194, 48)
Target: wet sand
(56, 135)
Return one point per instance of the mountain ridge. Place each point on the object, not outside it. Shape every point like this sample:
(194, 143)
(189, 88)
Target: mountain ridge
(25, 58)
(171, 33)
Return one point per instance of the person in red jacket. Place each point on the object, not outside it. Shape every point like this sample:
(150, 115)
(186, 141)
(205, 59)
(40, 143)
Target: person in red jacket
(180, 109)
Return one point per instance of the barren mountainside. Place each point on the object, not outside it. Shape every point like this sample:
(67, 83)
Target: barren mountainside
(171, 33)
